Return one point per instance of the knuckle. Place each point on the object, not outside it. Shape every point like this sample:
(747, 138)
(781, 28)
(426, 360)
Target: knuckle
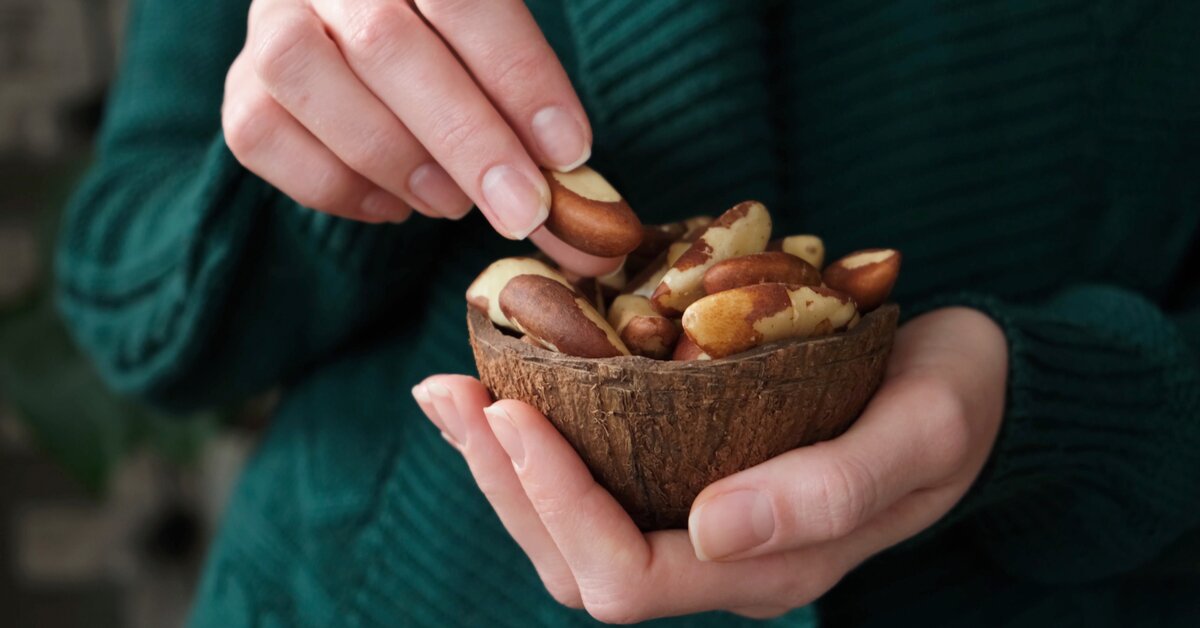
(284, 47)
(515, 68)
(948, 428)
(372, 152)
(379, 27)
(613, 612)
(249, 122)
(614, 600)
(446, 11)
(332, 190)
(839, 498)
(496, 487)
(564, 592)
(455, 132)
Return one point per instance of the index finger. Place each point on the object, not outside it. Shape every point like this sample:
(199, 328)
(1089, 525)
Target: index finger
(411, 70)
(501, 44)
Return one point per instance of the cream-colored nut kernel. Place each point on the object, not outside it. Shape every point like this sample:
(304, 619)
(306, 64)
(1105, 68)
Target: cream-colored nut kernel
(644, 331)
(868, 276)
(686, 350)
(742, 230)
(818, 311)
(590, 215)
(484, 292)
(558, 318)
(769, 267)
(695, 226)
(736, 320)
(807, 247)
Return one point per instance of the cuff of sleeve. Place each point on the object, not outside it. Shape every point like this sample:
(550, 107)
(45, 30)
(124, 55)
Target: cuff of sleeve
(1091, 471)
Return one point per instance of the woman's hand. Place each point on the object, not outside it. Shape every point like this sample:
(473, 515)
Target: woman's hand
(763, 541)
(367, 108)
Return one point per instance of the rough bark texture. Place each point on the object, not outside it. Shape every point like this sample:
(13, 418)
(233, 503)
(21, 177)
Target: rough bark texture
(655, 433)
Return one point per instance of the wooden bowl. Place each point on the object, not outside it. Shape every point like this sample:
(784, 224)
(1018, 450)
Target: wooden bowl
(654, 433)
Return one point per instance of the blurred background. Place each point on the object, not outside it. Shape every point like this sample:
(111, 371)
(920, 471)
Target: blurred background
(105, 507)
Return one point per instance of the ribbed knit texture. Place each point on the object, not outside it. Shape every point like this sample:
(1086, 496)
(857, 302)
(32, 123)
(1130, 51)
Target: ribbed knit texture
(1035, 160)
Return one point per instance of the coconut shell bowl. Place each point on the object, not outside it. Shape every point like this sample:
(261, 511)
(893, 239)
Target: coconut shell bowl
(655, 433)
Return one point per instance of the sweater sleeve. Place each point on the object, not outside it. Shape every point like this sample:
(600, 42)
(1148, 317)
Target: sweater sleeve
(1097, 462)
(188, 280)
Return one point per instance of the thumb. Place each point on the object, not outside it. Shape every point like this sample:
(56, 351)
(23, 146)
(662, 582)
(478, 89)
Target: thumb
(904, 441)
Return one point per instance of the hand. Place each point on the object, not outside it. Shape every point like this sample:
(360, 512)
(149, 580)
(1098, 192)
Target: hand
(766, 540)
(367, 108)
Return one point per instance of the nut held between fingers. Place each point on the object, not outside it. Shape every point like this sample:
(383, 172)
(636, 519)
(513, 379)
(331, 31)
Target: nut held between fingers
(590, 214)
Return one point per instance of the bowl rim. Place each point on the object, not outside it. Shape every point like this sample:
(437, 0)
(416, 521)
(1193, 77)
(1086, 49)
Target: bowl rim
(483, 329)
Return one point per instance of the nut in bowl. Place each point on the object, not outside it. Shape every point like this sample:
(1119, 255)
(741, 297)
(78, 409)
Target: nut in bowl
(766, 366)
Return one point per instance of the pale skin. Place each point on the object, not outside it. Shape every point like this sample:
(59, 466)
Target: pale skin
(373, 109)
(822, 510)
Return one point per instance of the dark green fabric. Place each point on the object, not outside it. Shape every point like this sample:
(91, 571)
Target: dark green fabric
(1035, 159)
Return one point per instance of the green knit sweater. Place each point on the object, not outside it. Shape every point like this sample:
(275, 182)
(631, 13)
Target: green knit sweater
(1036, 159)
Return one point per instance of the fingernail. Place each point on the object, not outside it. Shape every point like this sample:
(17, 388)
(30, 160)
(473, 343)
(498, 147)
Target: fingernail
(381, 204)
(430, 183)
(506, 432)
(444, 403)
(730, 524)
(561, 138)
(420, 394)
(519, 204)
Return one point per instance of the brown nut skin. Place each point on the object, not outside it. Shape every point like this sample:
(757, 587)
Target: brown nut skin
(646, 332)
(686, 350)
(867, 275)
(591, 290)
(557, 318)
(590, 215)
(770, 267)
(484, 292)
(742, 230)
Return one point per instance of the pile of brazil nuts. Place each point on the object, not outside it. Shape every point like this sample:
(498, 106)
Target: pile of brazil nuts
(700, 289)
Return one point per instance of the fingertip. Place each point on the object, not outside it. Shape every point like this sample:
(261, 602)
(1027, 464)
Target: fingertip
(421, 394)
(536, 431)
(561, 137)
(438, 193)
(571, 259)
(456, 380)
(583, 159)
(379, 205)
(424, 400)
(460, 212)
(517, 199)
(507, 434)
(522, 414)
